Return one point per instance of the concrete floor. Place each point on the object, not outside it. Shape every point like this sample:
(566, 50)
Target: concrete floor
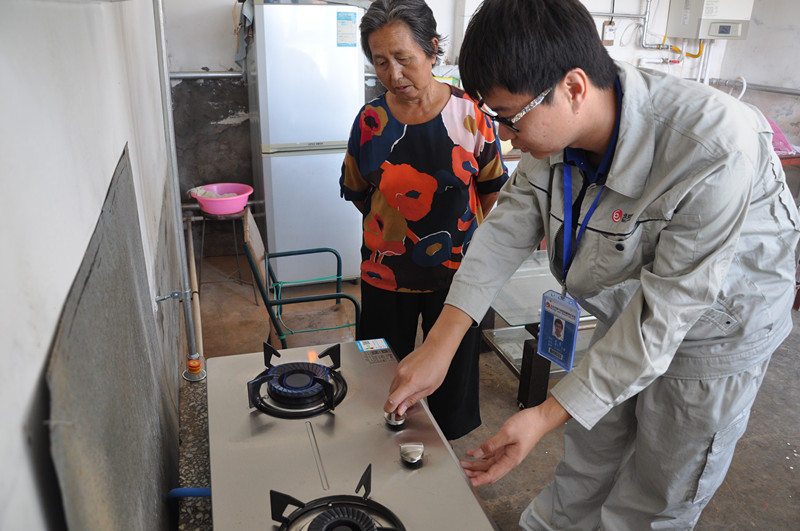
(762, 488)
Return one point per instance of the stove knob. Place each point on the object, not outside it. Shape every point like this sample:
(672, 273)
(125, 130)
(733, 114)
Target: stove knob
(394, 421)
(411, 454)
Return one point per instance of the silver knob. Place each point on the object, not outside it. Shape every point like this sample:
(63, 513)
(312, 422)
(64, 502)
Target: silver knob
(394, 421)
(411, 454)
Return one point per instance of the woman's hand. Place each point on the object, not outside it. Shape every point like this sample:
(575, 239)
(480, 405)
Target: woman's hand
(515, 440)
(423, 371)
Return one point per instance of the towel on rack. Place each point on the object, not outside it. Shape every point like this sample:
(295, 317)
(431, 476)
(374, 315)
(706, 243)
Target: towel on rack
(246, 16)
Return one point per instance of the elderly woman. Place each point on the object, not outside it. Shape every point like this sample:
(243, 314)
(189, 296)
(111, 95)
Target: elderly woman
(424, 167)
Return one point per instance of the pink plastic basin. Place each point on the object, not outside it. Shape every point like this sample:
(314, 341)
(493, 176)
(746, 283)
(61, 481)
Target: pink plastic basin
(220, 206)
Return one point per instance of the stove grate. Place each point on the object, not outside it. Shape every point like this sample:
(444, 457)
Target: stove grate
(297, 389)
(334, 513)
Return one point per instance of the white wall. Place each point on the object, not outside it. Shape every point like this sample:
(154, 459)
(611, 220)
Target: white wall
(200, 34)
(769, 57)
(627, 44)
(444, 11)
(80, 80)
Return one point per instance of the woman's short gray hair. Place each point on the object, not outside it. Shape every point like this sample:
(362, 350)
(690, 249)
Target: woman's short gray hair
(414, 13)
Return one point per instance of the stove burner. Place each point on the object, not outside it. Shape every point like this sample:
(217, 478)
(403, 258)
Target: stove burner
(342, 519)
(296, 381)
(298, 389)
(335, 513)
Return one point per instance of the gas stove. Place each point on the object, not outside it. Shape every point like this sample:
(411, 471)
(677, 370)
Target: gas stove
(298, 441)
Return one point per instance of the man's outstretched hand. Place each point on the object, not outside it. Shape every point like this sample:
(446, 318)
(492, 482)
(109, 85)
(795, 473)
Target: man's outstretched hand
(515, 440)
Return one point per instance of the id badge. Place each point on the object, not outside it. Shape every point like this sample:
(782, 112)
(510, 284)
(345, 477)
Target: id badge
(558, 329)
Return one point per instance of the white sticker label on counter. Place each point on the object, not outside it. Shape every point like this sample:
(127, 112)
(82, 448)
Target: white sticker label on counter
(372, 344)
(345, 29)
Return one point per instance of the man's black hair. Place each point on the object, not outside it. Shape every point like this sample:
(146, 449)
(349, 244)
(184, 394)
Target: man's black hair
(414, 13)
(527, 46)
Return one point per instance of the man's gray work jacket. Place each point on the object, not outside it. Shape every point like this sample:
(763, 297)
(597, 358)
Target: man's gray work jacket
(689, 259)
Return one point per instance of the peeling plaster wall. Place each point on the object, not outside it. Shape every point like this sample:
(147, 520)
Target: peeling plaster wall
(212, 136)
(212, 132)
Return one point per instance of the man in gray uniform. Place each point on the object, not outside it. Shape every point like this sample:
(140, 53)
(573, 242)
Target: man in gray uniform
(681, 238)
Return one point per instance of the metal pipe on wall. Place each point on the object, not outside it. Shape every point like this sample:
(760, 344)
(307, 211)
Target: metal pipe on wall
(644, 43)
(701, 67)
(753, 86)
(204, 75)
(169, 133)
(198, 327)
(616, 15)
(708, 54)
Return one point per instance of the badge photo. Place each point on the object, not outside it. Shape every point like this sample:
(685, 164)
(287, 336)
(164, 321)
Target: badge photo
(558, 329)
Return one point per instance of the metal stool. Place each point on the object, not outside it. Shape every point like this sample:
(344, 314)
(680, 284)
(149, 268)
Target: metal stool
(232, 217)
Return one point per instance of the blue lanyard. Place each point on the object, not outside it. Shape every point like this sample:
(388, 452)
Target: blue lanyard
(569, 250)
(605, 164)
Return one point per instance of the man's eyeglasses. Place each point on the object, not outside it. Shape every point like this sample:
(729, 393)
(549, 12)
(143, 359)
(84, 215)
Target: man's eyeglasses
(510, 122)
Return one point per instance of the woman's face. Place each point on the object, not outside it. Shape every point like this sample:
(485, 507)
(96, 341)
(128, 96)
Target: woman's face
(400, 63)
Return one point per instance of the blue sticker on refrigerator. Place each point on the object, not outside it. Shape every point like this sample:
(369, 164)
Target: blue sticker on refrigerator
(345, 29)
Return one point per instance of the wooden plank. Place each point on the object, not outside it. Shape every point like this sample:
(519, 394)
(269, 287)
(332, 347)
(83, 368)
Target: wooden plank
(253, 238)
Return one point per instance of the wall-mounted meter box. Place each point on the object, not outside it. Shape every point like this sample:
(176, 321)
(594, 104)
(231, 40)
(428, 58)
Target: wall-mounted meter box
(709, 19)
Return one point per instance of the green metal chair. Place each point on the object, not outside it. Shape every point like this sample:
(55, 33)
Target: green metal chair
(271, 288)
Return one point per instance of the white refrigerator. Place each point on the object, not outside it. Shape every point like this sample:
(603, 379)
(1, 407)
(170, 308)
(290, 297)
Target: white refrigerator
(306, 83)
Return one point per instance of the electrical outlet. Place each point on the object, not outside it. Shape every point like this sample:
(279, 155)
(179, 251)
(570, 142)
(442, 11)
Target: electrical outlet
(609, 32)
